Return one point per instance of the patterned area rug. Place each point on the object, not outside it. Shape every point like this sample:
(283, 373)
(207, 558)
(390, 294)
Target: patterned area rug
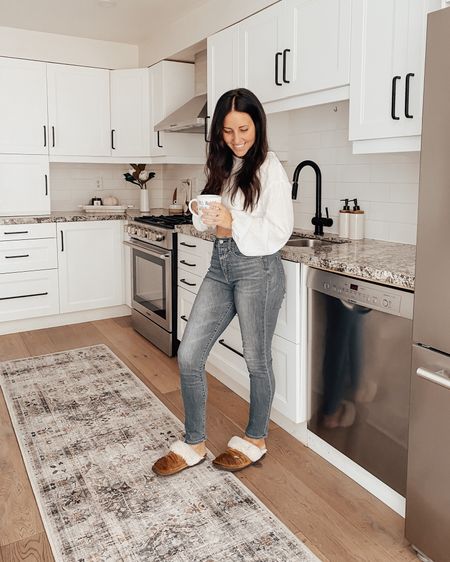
(89, 432)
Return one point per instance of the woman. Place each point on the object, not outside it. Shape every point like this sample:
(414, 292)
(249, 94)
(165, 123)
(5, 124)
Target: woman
(252, 223)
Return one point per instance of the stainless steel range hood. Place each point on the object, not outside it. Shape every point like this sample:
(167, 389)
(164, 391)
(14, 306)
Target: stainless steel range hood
(189, 118)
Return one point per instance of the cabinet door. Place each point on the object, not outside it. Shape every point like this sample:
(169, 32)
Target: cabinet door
(262, 53)
(90, 260)
(171, 86)
(388, 47)
(185, 302)
(130, 119)
(23, 107)
(24, 185)
(319, 57)
(79, 111)
(223, 64)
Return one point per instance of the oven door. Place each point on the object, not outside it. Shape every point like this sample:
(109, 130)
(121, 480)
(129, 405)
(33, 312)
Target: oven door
(151, 282)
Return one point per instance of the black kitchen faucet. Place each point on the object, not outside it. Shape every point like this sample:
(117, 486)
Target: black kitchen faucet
(318, 221)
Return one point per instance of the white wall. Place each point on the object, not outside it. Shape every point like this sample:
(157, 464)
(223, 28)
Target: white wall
(50, 47)
(386, 185)
(196, 26)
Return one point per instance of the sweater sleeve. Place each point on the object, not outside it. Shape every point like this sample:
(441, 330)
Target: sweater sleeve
(268, 227)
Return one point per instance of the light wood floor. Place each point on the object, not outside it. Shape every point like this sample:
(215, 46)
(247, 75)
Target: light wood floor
(336, 518)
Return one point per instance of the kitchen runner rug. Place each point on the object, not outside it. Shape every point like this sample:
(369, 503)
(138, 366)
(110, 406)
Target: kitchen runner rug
(89, 431)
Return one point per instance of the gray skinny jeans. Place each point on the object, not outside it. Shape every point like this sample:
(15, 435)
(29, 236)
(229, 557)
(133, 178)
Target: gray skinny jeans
(252, 287)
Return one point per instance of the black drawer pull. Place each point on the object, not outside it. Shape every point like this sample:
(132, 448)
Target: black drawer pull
(183, 317)
(394, 93)
(158, 140)
(17, 232)
(187, 283)
(188, 245)
(112, 139)
(24, 296)
(21, 256)
(222, 342)
(53, 136)
(46, 185)
(45, 136)
(408, 78)
(184, 262)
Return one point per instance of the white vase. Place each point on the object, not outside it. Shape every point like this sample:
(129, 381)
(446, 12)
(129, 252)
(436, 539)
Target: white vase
(144, 205)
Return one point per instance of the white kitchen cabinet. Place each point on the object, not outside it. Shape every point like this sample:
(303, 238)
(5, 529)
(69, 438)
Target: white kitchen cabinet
(79, 111)
(130, 112)
(90, 257)
(296, 48)
(387, 67)
(185, 301)
(171, 86)
(223, 64)
(23, 107)
(28, 274)
(24, 185)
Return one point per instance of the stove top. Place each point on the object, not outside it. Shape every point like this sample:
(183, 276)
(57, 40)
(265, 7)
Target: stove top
(165, 221)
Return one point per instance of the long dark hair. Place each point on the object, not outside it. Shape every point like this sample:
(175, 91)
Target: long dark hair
(220, 157)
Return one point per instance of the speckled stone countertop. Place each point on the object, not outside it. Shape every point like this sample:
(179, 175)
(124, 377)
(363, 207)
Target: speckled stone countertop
(63, 216)
(387, 263)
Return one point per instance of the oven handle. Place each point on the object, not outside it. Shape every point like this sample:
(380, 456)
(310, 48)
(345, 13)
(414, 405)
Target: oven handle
(144, 247)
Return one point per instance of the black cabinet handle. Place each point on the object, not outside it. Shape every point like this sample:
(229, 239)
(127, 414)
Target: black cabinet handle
(394, 93)
(222, 342)
(45, 136)
(20, 256)
(62, 241)
(285, 80)
(187, 283)
(183, 317)
(112, 139)
(276, 68)
(17, 232)
(158, 140)
(24, 296)
(46, 184)
(53, 136)
(408, 78)
(188, 245)
(206, 128)
(184, 262)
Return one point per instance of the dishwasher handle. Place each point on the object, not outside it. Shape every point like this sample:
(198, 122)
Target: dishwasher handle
(355, 307)
(442, 377)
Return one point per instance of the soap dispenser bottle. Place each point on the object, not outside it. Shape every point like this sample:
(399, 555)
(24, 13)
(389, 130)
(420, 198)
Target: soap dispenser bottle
(356, 222)
(344, 219)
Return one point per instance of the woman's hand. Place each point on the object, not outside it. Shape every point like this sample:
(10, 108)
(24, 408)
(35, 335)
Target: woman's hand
(217, 215)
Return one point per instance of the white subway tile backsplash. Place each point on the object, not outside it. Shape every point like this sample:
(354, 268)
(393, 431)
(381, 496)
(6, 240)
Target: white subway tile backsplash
(386, 185)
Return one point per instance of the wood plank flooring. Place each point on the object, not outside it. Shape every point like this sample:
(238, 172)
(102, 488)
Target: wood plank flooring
(336, 518)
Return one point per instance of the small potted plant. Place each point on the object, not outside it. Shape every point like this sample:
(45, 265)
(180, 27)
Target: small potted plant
(138, 175)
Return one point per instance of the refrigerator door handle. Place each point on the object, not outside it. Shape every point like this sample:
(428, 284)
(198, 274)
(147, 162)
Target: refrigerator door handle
(441, 377)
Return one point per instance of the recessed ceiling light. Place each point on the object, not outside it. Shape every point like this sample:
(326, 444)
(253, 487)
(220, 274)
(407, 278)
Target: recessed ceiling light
(107, 3)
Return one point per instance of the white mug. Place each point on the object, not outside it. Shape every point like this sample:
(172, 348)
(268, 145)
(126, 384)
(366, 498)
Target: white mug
(203, 202)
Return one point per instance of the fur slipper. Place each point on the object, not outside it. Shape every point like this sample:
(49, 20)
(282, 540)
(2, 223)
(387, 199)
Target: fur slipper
(179, 457)
(239, 454)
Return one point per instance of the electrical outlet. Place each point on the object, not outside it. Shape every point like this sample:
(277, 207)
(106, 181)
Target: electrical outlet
(99, 183)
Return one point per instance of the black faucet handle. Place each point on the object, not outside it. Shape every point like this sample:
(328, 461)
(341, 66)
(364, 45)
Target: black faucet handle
(326, 212)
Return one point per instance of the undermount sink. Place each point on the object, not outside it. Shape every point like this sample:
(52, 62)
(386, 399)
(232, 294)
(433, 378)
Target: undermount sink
(307, 243)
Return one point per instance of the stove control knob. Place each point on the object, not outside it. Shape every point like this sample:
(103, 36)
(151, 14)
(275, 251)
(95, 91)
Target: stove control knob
(159, 237)
(385, 303)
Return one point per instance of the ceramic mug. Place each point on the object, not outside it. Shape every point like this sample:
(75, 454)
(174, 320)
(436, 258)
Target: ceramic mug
(203, 202)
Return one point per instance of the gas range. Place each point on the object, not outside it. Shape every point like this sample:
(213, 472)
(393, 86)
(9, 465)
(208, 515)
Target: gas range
(157, 230)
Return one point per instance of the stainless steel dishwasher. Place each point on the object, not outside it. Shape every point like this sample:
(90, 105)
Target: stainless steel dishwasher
(359, 368)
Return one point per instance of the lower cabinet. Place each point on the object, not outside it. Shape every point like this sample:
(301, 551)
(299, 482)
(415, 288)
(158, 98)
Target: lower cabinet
(90, 259)
(28, 271)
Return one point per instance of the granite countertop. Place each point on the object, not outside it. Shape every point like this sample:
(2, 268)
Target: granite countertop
(388, 263)
(78, 216)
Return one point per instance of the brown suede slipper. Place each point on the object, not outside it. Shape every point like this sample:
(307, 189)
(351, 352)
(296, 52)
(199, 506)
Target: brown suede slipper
(179, 457)
(239, 455)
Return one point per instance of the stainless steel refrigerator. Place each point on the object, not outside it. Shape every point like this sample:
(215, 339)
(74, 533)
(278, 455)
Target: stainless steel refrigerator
(428, 479)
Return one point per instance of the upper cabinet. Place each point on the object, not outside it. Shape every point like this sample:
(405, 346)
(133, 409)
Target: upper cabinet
(172, 84)
(79, 111)
(387, 68)
(23, 107)
(130, 112)
(293, 54)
